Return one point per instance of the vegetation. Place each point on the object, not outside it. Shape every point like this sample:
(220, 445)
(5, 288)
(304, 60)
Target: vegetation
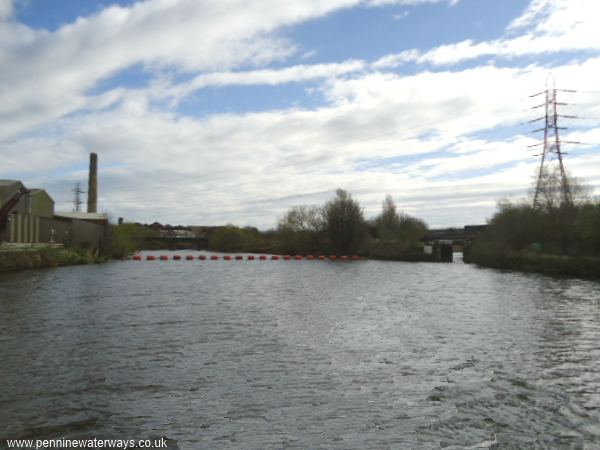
(235, 239)
(338, 227)
(124, 239)
(45, 257)
(555, 235)
(396, 235)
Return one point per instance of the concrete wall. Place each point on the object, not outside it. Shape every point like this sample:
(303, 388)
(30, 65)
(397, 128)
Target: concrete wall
(42, 204)
(30, 229)
(22, 228)
(72, 232)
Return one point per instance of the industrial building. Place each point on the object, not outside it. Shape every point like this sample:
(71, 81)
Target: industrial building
(27, 216)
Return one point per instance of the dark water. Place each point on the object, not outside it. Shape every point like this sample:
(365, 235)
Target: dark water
(289, 354)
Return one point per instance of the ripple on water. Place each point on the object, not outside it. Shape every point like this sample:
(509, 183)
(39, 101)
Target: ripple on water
(303, 355)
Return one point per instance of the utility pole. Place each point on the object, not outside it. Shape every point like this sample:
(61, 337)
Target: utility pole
(77, 197)
(552, 154)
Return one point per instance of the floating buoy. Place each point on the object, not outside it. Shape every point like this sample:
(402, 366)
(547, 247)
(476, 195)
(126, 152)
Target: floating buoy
(310, 257)
(137, 258)
(164, 258)
(202, 257)
(214, 257)
(239, 257)
(176, 257)
(332, 257)
(275, 258)
(189, 257)
(263, 257)
(150, 258)
(298, 257)
(250, 258)
(227, 257)
(344, 258)
(322, 257)
(287, 257)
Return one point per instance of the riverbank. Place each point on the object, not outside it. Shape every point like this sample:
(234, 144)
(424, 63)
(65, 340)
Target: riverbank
(38, 258)
(526, 261)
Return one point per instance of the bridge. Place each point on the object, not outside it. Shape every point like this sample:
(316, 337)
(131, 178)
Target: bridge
(458, 236)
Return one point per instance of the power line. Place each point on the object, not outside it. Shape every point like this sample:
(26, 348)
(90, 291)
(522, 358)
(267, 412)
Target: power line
(551, 144)
(77, 197)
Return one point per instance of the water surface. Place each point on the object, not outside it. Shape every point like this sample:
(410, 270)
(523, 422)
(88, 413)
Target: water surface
(301, 354)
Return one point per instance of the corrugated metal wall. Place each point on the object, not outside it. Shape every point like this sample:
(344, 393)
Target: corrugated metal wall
(25, 228)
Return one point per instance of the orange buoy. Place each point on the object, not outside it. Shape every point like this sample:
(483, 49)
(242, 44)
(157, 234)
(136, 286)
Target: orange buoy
(275, 257)
(250, 257)
(332, 257)
(310, 257)
(263, 257)
(344, 258)
(322, 257)
(137, 258)
(176, 257)
(214, 257)
(298, 257)
(287, 257)
(189, 257)
(202, 257)
(227, 257)
(239, 257)
(150, 258)
(164, 258)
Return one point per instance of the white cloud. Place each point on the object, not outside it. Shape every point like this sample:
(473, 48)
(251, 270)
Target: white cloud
(182, 35)
(411, 136)
(377, 136)
(271, 77)
(547, 26)
(6, 9)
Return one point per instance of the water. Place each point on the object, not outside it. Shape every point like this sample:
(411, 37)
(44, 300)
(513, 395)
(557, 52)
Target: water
(301, 354)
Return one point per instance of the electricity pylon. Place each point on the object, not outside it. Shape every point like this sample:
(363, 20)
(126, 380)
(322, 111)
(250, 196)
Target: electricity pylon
(552, 153)
(77, 197)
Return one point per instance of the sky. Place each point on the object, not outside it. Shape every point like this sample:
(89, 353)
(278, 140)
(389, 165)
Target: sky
(208, 112)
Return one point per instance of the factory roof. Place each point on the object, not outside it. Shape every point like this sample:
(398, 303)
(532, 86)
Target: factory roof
(6, 183)
(82, 215)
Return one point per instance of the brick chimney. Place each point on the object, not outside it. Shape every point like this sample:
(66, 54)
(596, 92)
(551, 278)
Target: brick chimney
(92, 205)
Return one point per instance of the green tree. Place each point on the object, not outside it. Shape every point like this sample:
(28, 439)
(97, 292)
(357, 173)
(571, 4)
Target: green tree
(301, 230)
(227, 239)
(388, 222)
(391, 225)
(344, 223)
(123, 240)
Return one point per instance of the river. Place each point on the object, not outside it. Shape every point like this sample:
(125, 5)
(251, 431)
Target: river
(300, 354)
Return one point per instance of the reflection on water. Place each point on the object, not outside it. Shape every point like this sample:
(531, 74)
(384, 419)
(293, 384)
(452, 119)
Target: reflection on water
(301, 354)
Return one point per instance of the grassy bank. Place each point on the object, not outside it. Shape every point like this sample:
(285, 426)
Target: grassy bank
(45, 257)
(397, 251)
(529, 261)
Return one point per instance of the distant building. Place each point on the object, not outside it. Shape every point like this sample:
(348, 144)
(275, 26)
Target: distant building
(22, 223)
(98, 218)
(27, 217)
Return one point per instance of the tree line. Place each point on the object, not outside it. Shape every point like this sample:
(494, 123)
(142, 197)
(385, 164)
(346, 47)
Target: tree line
(338, 227)
(558, 235)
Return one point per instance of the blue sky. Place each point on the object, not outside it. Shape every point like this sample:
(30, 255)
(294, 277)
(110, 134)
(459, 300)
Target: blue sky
(214, 111)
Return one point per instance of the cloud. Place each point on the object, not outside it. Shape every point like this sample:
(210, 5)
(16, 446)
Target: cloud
(174, 35)
(547, 26)
(432, 139)
(6, 9)
(415, 137)
(269, 77)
